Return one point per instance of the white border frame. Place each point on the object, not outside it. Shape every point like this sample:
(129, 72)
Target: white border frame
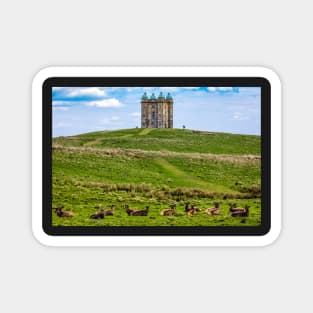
(156, 241)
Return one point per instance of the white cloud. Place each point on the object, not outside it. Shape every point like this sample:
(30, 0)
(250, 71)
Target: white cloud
(165, 90)
(169, 88)
(55, 103)
(135, 114)
(239, 116)
(191, 88)
(106, 103)
(87, 91)
(173, 89)
(60, 105)
(214, 89)
(225, 88)
(60, 108)
(130, 89)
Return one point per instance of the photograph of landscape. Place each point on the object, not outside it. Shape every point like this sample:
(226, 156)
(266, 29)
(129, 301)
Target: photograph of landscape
(156, 156)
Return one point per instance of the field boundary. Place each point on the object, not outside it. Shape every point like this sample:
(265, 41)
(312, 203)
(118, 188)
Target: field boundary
(236, 159)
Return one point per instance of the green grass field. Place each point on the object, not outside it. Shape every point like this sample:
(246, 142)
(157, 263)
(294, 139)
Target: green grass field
(156, 167)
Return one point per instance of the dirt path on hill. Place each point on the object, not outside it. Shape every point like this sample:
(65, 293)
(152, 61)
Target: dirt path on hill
(187, 177)
(145, 131)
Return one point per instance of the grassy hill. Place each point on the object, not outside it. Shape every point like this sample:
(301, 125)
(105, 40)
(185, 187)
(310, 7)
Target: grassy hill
(177, 140)
(155, 167)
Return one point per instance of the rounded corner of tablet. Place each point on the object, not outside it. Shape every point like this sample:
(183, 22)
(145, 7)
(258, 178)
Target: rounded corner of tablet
(271, 236)
(270, 75)
(43, 75)
(41, 235)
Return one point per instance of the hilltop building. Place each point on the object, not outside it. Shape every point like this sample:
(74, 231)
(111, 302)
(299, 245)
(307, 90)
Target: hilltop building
(157, 112)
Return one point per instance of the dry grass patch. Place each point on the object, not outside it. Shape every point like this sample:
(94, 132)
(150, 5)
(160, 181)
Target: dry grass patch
(235, 159)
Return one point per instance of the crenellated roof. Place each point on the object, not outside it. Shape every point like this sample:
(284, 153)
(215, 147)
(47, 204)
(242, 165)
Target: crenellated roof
(153, 97)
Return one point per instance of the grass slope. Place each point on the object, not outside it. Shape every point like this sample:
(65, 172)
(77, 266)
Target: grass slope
(177, 140)
(156, 167)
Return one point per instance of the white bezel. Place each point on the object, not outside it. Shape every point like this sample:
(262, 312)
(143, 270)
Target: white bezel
(143, 241)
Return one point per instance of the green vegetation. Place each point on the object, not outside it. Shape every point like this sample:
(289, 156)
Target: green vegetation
(177, 140)
(156, 167)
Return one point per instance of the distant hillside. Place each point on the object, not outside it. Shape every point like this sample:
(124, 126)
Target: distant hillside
(155, 167)
(176, 140)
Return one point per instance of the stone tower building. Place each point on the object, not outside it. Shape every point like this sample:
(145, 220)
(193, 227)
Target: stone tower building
(156, 112)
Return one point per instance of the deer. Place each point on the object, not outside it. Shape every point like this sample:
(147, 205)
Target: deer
(195, 209)
(128, 210)
(98, 215)
(110, 212)
(243, 212)
(140, 212)
(102, 213)
(233, 208)
(191, 211)
(60, 213)
(187, 208)
(214, 211)
(170, 211)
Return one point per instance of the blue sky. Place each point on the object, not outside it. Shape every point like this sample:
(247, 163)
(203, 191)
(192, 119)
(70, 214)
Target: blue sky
(79, 110)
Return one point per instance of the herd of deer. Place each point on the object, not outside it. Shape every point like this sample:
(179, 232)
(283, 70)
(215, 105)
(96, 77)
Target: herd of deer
(189, 210)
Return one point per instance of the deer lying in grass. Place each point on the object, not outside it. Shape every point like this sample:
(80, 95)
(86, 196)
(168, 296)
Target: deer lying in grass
(170, 211)
(233, 208)
(132, 212)
(98, 215)
(60, 213)
(128, 210)
(239, 212)
(214, 211)
(102, 213)
(187, 208)
(141, 212)
(110, 212)
(191, 211)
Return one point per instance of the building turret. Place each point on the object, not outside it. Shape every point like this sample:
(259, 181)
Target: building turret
(169, 100)
(144, 96)
(169, 97)
(161, 95)
(145, 111)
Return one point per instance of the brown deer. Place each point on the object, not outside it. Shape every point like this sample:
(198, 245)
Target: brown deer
(102, 213)
(191, 211)
(109, 212)
(60, 213)
(214, 211)
(140, 212)
(170, 211)
(195, 209)
(128, 210)
(187, 208)
(233, 208)
(243, 212)
(98, 215)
